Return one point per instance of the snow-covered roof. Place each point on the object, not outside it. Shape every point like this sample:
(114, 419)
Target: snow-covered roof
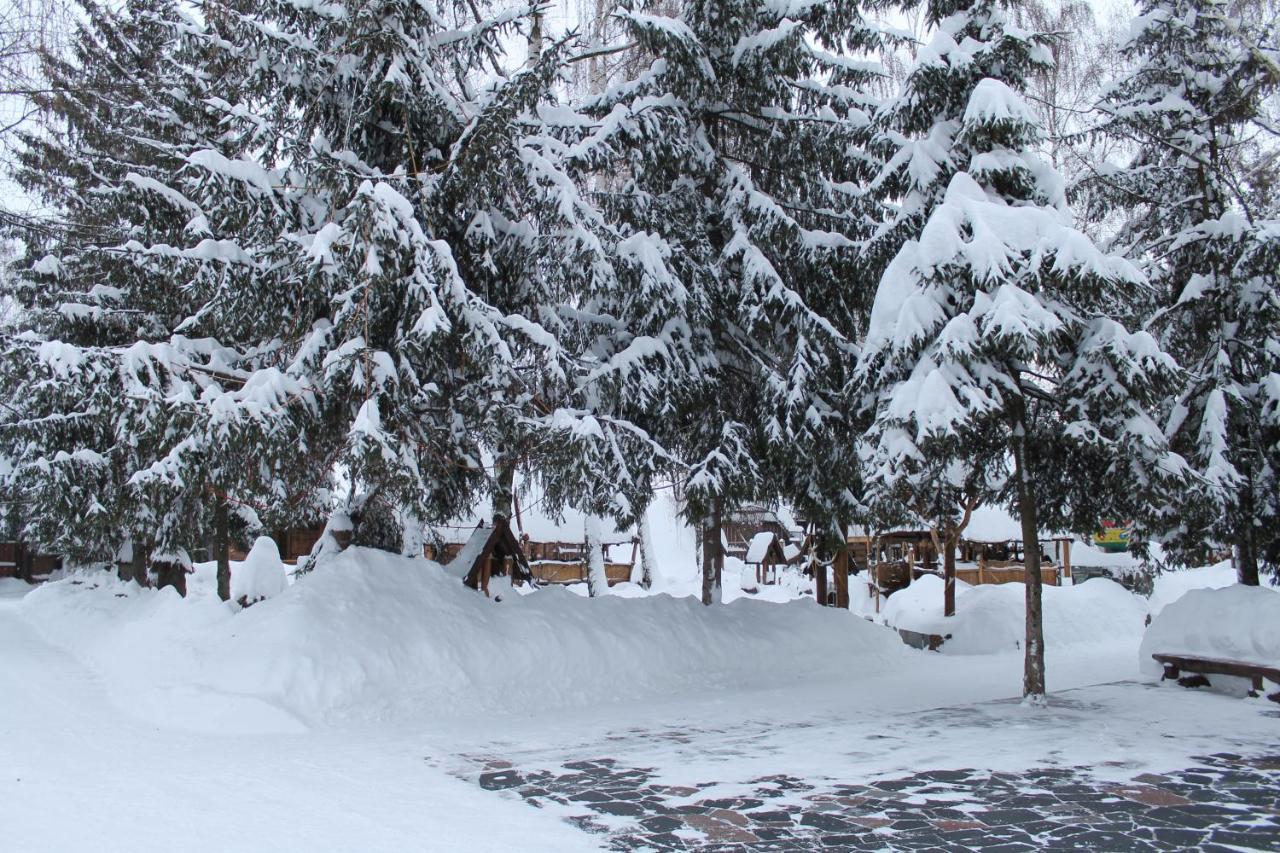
(466, 558)
(758, 548)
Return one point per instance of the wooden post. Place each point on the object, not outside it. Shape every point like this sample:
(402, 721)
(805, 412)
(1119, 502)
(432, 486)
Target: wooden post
(1066, 558)
(982, 565)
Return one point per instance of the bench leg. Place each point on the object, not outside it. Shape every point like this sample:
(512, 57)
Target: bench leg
(1170, 673)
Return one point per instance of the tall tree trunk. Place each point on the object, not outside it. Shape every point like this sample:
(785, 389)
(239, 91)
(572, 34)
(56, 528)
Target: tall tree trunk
(138, 566)
(597, 579)
(504, 486)
(222, 547)
(647, 560)
(535, 38)
(712, 554)
(949, 573)
(1033, 689)
(411, 539)
(1247, 538)
(840, 571)
(819, 568)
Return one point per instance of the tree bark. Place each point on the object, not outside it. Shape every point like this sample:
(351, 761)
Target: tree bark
(949, 574)
(597, 579)
(1033, 682)
(412, 543)
(819, 569)
(504, 486)
(1247, 539)
(646, 550)
(712, 554)
(141, 557)
(840, 571)
(222, 547)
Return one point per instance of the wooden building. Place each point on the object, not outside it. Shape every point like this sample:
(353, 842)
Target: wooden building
(17, 560)
(891, 560)
(742, 525)
(1004, 561)
(566, 562)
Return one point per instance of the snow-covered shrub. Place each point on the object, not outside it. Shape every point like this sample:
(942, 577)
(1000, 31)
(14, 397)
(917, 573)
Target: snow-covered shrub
(260, 576)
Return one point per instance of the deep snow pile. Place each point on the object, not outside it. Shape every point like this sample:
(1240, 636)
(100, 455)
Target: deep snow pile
(992, 617)
(1234, 622)
(374, 636)
(260, 575)
(1172, 585)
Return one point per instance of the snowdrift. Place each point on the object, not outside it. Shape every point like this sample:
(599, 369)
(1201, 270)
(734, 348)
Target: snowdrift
(373, 636)
(992, 617)
(1235, 622)
(1171, 585)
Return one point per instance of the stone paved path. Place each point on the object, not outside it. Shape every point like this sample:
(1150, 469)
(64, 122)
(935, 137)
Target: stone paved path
(1224, 802)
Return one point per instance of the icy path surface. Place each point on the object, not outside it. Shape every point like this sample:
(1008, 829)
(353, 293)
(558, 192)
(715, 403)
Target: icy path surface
(78, 775)
(1120, 766)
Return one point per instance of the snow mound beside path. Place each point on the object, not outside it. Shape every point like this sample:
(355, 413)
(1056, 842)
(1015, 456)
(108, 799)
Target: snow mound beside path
(1234, 622)
(992, 617)
(372, 636)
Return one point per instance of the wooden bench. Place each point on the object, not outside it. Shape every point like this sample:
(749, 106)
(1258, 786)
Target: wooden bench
(1175, 665)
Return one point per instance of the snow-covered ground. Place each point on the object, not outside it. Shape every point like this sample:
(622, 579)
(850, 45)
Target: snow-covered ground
(81, 773)
(335, 714)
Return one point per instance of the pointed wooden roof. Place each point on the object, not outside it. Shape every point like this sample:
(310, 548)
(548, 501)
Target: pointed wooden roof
(496, 540)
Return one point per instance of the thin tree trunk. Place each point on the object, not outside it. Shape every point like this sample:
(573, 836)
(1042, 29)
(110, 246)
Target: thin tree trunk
(141, 557)
(646, 551)
(1033, 682)
(717, 514)
(840, 570)
(819, 568)
(504, 486)
(1247, 541)
(597, 579)
(222, 547)
(535, 38)
(712, 555)
(949, 574)
(411, 539)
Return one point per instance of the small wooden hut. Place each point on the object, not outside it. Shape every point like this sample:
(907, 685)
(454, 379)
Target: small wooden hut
(492, 550)
(765, 553)
(743, 524)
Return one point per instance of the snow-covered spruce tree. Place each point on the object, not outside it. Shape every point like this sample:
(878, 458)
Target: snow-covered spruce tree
(991, 359)
(919, 147)
(386, 200)
(1197, 197)
(106, 284)
(724, 164)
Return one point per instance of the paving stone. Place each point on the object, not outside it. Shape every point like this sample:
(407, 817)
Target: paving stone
(500, 780)
(1222, 802)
